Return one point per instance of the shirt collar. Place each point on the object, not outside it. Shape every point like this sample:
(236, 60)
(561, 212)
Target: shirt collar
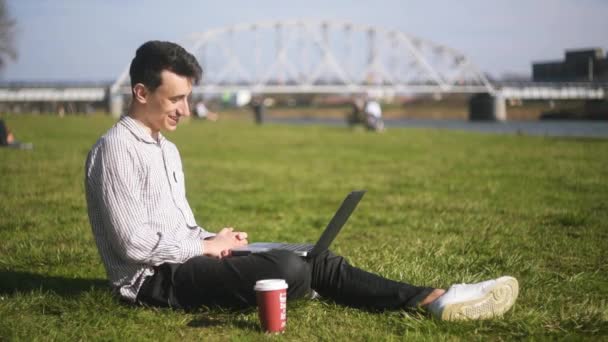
(138, 130)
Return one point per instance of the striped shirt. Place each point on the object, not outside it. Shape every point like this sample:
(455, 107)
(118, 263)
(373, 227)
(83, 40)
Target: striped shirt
(137, 205)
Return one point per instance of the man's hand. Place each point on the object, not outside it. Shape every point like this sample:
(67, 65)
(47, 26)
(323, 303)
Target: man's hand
(220, 245)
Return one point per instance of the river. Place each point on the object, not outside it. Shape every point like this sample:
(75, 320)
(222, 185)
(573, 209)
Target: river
(553, 128)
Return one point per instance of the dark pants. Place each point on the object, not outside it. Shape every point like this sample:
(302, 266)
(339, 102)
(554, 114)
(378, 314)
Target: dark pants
(205, 281)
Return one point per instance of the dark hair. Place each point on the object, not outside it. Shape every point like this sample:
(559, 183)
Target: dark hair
(155, 56)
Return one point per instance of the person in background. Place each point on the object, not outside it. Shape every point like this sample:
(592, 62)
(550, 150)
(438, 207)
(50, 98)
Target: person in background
(356, 114)
(7, 138)
(373, 116)
(258, 108)
(202, 112)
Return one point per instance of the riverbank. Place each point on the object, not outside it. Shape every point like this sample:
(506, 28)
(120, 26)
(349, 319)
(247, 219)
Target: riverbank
(452, 108)
(550, 128)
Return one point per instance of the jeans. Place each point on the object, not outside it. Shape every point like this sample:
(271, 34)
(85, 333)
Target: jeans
(229, 282)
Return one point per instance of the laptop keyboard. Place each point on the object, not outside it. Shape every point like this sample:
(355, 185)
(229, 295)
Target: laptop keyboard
(296, 247)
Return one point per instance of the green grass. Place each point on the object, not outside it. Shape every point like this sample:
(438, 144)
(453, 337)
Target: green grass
(441, 207)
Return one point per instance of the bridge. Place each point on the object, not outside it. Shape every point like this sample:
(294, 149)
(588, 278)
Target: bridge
(334, 57)
(325, 57)
(312, 56)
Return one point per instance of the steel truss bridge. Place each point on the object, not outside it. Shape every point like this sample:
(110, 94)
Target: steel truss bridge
(308, 56)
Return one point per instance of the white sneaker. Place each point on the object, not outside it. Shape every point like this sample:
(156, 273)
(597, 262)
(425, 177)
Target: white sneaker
(483, 300)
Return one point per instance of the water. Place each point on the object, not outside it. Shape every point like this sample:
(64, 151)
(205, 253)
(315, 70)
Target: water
(552, 128)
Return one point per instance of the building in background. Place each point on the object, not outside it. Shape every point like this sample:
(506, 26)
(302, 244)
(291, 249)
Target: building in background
(585, 65)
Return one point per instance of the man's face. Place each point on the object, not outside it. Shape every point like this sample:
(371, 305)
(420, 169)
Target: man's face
(168, 103)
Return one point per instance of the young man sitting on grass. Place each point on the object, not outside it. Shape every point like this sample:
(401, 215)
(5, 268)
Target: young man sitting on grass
(155, 253)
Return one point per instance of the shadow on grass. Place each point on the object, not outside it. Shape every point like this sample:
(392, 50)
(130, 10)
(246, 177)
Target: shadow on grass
(16, 281)
(215, 316)
(223, 320)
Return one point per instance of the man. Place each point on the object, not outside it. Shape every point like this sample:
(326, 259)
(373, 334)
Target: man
(203, 113)
(373, 116)
(7, 139)
(155, 253)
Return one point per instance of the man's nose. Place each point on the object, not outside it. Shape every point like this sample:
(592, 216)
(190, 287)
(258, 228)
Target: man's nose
(184, 108)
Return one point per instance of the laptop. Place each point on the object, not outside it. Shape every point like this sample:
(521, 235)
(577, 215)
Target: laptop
(307, 249)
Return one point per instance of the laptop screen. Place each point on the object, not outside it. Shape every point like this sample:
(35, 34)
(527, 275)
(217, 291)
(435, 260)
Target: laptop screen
(336, 223)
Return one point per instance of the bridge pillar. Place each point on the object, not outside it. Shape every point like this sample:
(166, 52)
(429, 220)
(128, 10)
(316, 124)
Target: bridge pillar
(489, 107)
(115, 104)
(596, 109)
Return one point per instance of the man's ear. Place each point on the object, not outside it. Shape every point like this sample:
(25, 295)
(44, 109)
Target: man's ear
(140, 93)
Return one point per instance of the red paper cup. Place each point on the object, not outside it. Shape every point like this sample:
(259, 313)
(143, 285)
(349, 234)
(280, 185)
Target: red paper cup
(272, 304)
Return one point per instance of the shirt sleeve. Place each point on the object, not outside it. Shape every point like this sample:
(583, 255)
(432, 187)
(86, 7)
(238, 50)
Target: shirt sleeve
(126, 216)
(205, 234)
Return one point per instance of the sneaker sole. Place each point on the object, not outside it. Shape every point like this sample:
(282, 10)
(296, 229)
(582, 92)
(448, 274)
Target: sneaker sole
(498, 300)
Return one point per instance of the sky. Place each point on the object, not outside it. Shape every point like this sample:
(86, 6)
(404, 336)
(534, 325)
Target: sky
(94, 40)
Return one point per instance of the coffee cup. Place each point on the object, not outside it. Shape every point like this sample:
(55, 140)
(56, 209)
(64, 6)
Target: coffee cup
(271, 297)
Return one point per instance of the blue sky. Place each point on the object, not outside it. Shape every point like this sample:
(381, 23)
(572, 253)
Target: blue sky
(93, 40)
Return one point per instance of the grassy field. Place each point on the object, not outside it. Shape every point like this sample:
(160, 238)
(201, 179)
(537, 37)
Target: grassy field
(442, 207)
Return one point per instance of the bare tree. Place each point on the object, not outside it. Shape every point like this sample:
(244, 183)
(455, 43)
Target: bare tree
(7, 35)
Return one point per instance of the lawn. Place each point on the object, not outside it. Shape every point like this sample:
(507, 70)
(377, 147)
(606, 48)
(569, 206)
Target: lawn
(442, 207)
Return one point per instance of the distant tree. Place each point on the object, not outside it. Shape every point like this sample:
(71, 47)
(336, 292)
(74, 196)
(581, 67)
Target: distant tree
(7, 35)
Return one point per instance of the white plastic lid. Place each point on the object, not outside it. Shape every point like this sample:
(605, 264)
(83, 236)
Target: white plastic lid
(270, 285)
